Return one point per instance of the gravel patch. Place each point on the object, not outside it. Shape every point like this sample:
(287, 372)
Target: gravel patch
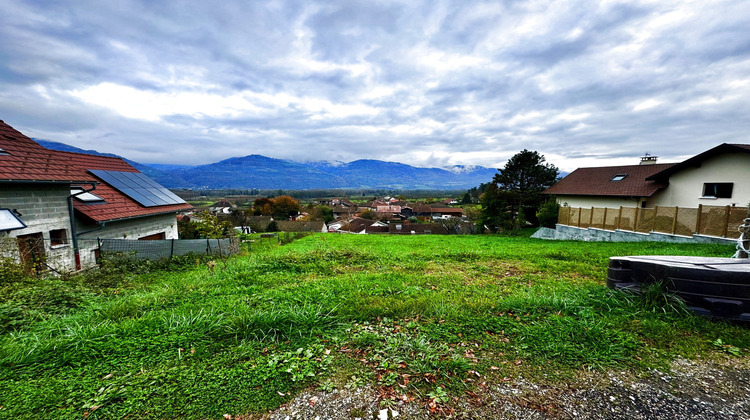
(690, 389)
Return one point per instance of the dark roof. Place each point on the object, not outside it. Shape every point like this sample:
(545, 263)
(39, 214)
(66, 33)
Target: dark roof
(695, 161)
(454, 210)
(27, 160)
(358, 224)
(376, 229)
(300, 226)
(598, 181)
(417, 228)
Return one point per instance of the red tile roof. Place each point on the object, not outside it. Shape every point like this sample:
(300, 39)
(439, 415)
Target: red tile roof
(598, 181)
(27, 160)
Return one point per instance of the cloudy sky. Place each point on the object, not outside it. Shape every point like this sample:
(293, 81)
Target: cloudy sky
(428, 83)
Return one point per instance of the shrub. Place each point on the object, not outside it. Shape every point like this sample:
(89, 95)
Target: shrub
(548, 212)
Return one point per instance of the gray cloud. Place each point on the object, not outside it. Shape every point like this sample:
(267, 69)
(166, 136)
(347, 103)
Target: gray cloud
(426, 83)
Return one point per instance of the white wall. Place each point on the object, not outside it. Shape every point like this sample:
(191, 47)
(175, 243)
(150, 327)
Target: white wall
(600, 202)
(686, 187)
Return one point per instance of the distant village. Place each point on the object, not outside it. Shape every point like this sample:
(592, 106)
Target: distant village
(381, 215)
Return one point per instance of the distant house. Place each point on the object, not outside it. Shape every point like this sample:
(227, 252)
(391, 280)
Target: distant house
(446, 212)
(341, 211)
(299, 216)
(337, 224)
(389, 210)
(375, 229)
(417, 229)
(301, 226)
(437, 212)
(258, 223)
(222, 207)
(68, 200)
(716, 177)
(360, 226)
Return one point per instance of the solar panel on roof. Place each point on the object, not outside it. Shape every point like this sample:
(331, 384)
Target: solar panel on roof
(139, 187)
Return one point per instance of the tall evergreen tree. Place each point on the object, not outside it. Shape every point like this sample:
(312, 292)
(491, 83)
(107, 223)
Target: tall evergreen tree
(521, 182)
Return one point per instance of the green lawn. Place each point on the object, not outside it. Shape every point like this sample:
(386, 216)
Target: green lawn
(420, 317)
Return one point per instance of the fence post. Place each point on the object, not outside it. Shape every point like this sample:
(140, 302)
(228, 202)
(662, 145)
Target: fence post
(579, 216)
(591, 216)
(635, 219)
(726, 221)
(570, 213)
(698, 219)
(674, 222)
(653, 223)
(619, 219)
(208, 246)
(604, 219)
(171, 251)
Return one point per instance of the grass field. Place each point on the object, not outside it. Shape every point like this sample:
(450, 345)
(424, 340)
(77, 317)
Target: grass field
(422, 318)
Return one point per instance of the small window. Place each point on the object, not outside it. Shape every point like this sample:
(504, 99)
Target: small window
(9, 220)
(718, 189)
(3, 152)
(618, 177)
(58, 237)
(86, 197)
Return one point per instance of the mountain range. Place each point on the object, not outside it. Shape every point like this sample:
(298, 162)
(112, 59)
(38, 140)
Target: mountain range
(261, 172)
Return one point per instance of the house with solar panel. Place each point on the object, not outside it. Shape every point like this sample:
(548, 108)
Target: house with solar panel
(55, 206)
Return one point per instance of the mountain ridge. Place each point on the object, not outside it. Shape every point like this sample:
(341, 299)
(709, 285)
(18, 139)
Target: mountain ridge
(263, 172)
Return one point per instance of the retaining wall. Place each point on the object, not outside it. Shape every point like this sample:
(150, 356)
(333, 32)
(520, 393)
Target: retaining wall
(564, 232)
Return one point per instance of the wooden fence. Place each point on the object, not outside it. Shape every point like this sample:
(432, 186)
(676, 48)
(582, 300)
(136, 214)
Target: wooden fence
(721, 221)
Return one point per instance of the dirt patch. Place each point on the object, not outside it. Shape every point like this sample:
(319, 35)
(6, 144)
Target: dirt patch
(692, 389)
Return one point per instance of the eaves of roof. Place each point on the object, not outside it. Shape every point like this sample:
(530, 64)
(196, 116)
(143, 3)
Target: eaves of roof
(697, 160)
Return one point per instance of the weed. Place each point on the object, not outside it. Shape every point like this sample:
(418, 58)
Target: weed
(439, 395)
(327, 386)
(355, 382)
(725, 347)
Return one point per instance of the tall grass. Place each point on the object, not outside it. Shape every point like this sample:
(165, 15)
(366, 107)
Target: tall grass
(198, 343)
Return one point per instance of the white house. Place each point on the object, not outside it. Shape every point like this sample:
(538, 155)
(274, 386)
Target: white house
(717, 177)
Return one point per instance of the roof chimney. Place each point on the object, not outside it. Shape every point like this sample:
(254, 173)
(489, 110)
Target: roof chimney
(647, 159)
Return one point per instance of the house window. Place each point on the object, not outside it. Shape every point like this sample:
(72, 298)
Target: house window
(618, 177)
(86, 197)
(718, 189)
(9, 220)
(3, 152)
(58, 237)
(154, 237)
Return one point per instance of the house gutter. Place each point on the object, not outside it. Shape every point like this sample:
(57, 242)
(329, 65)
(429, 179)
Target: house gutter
(142, 215)
(71, 213)
(40, 181)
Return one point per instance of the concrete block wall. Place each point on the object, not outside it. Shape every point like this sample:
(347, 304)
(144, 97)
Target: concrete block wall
(43, 207)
